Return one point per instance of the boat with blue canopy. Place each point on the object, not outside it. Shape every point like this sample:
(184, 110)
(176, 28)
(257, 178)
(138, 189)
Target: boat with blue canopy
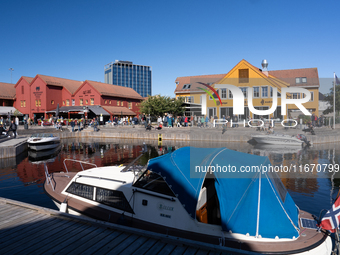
(213, 195)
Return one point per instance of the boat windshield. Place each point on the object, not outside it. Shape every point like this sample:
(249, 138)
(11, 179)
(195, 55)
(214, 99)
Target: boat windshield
(153, 182)
(42, 135)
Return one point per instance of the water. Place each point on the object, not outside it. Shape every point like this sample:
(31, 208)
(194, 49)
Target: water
(22, 179)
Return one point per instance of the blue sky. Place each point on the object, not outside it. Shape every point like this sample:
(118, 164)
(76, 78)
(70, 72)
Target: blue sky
(75, 39)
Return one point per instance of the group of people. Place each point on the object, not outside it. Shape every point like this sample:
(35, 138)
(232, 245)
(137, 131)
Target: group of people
(12, 127)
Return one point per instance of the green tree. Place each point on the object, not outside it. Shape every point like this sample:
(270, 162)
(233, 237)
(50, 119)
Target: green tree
(16, 113)
(329, 99)
(158, 105)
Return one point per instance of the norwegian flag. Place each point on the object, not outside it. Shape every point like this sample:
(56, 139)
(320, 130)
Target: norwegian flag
(331, 219)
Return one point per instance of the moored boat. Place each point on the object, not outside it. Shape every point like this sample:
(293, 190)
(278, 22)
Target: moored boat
(43, 141)
(279, 139)
(196, 193)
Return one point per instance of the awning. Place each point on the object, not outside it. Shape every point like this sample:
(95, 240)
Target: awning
(98, 110)
(116, 110)
(4, 110)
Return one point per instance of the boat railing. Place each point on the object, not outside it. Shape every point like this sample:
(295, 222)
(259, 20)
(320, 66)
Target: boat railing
(78, 161)
(48, 177)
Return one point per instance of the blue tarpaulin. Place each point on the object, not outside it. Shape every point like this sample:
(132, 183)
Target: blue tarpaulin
(255, 203)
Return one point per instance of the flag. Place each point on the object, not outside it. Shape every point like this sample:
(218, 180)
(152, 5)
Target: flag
(332, 218)
(337, 81)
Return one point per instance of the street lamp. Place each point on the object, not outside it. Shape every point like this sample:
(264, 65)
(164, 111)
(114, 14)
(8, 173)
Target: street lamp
(11, 69)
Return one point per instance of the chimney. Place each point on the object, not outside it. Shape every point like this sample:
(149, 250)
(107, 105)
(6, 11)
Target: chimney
(264, 67)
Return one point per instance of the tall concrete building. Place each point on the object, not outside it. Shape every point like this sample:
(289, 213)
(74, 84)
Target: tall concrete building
(126, 74)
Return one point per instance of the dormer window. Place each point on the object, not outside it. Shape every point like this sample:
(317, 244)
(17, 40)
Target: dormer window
(304, 79)
(297, 80)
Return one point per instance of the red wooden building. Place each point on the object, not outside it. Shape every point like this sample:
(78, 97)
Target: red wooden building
(39, 96)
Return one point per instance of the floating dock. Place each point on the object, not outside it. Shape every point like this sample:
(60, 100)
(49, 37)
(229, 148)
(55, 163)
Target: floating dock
(30, 229)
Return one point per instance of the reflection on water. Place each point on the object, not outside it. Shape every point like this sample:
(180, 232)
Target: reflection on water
(22, 178)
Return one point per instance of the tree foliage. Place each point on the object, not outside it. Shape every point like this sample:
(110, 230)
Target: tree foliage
(329, 99)
(158, 105)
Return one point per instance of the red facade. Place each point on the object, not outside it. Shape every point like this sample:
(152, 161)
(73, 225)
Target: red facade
(41, 94)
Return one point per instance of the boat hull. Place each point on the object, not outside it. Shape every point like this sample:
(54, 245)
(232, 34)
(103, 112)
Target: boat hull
(311, 242)
(277, 140)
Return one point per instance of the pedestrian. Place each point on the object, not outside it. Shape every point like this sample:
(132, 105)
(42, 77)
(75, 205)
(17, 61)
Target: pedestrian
(206, 121)
(165, 120)
(169, 122)
(79, 125)
(13, 128)
(2, 130)
(199, 122)
(95, 125)
(72, 125)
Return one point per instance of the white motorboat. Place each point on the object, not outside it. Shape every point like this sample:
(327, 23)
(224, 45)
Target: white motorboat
(176, 195)
(43, 141)
(279, 139)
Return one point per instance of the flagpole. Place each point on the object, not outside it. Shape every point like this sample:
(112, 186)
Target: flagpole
(334, 102)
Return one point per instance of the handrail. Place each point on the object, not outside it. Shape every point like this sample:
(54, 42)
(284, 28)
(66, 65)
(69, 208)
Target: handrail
(48, 176)
(79, 161)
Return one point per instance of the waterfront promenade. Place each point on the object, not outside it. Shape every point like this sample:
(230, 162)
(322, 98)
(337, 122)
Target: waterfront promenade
(10, 147)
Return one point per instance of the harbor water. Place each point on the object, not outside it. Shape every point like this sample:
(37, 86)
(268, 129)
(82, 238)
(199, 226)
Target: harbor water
(314, 189)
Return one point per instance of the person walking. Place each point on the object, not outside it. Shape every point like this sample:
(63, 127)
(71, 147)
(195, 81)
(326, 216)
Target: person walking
(95, 125)
(72, 125)
(13, 128)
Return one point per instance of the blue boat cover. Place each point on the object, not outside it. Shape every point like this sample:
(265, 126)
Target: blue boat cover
(254, 203)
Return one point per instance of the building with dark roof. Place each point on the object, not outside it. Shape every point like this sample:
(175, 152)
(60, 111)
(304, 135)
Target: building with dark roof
(7, 94)
(127, 74)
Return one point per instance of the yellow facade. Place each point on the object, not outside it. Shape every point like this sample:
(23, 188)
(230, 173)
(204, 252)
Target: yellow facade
(246, 76)
(263, 82)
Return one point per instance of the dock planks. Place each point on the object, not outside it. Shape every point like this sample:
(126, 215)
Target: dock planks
(29, 229)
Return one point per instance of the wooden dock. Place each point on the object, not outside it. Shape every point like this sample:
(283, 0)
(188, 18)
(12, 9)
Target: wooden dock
(30, 229)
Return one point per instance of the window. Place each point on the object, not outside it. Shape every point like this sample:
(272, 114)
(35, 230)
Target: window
(223, 93)
(81, 190)
(265, 91)
(86, 101)
(278, 94)
(245, 92)
(130, 105)
(189, 85)
(110, 102)
(311, 97)
(296, 95)
(63, 102)
(22, 103)
(92, 101)
(243, 75)
(297, 80)
(22, 89)
(271, 92)
(117, 103)
(121, 103)
(214, 95)
(67, 102)
(256, 92)
(80, 101)
(304, 79)
(105, 102)
(52, 101)
(153, 182)
(230, 95)
(73, 102)
(113, 198)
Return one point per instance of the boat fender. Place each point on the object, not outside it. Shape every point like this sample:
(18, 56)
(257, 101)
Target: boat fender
(63, 207)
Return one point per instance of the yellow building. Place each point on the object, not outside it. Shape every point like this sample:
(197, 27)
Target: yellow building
(246, 76)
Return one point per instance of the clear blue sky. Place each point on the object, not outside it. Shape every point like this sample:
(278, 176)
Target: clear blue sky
(75, 39)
